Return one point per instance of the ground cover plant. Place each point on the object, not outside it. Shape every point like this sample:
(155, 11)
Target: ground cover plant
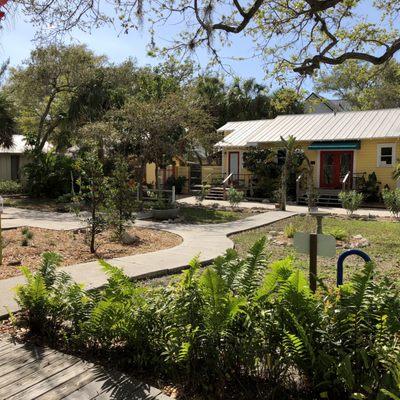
(243, 328)
(10, 187)
(383, 237)
(209, 215)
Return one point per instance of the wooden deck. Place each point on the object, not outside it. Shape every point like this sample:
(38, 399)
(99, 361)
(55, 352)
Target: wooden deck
(31, 372)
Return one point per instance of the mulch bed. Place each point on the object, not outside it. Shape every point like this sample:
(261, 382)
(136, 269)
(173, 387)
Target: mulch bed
(73, 247)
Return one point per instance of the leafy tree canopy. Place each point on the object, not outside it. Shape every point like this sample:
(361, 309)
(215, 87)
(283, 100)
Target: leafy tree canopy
(43, 86)
(364, 86)
(299, 36)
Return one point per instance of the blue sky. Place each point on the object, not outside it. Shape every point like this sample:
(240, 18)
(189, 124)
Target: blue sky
(16, 42)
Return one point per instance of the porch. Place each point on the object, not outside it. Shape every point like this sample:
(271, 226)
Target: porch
(329, 196)
(220, 182)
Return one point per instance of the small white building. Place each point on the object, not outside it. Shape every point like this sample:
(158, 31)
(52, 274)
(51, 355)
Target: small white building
(14, 158)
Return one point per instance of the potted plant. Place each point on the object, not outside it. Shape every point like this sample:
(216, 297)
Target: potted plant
(163, 209)
(144, 210)
(277, 196)
(312, 196)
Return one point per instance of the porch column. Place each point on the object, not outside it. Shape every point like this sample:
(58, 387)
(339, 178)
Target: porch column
(223, 162)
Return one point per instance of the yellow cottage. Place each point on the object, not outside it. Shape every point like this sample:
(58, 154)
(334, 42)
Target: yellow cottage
(342, 146)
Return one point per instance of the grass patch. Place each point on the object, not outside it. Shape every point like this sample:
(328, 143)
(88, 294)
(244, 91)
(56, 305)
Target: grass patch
(204, 215)
(383, 236)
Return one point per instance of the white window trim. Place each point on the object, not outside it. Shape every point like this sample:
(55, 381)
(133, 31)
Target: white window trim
(378, 155)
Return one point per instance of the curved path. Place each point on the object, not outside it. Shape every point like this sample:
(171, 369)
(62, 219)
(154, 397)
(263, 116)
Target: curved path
(205, 241)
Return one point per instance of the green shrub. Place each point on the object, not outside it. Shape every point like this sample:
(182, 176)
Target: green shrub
(290, 230)
(338, 233)
(120, 203)
(28, 234)
(235, 197)
(202, 193)
(10, 187)
(177, 181)
(52, 299)
(351, 200)
(238, 326)
(49, 175)
(391, 198)
(65, 198)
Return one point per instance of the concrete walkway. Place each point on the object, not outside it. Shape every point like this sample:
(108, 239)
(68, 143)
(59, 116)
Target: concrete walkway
(205, 241)
(376, 212)
(19, 217)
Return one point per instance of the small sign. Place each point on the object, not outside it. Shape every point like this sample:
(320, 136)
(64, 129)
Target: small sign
(326, 244)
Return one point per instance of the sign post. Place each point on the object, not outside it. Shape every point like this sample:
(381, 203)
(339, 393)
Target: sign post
(313, 261)
(315, 244)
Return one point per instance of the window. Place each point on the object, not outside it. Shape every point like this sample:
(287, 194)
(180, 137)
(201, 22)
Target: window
(386, 155)
(281, 156)
(14, 167)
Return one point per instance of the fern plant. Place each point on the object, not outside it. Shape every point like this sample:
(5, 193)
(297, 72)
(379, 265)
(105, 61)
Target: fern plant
(240, 325)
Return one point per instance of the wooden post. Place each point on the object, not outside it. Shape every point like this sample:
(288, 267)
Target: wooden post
(319, 224)
(173, 195)
(313, 261)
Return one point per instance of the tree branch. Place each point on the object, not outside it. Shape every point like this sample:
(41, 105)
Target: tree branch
(311, 64)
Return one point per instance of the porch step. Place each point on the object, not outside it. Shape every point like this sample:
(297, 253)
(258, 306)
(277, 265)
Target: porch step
(215, 193)
(324, 199)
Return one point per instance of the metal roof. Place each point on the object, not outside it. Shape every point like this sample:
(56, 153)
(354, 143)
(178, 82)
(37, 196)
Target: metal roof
(348, 125)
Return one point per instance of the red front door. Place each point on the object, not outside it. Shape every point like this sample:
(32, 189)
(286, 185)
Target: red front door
(334, 166)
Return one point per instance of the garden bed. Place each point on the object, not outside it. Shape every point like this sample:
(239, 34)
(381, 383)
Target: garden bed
(71, 245)
(41, 204)
(378, 238)
(213, 215)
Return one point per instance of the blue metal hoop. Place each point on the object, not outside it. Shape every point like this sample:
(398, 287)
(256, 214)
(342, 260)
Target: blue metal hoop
(342, 257)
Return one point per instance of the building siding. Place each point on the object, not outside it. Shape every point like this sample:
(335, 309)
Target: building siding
(5, 165)
(365, 159)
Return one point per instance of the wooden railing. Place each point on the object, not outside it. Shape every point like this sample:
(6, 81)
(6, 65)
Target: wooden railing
(298, 184)
(346, 182)
(351, 180)
(225, 184)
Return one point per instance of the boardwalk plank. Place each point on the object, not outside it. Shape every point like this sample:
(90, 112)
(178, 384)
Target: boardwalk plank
(86, 392)
(13, 348)
(69, 387)
(29, 372)
(30, 367)
(108, 385)
(8, 344)
(51, 382)
(20, 360)
(36, 377)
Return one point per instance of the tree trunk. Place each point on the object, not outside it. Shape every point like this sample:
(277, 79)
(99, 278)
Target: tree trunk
(93, 226)
(156, 173)
(310, 186)
(283, 188)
